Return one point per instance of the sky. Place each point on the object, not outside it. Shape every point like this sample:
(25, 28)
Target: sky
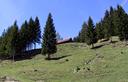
(68, 15)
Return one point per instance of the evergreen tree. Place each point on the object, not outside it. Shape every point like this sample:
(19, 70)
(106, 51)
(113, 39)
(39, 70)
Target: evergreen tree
(99, 30)
(82, 35)
(49, 38)
(15, 39)
(125, 27)
(91, 33)
(111, 22)
(106, 25)
(10, 42)
(3, 43)
(31, 32)
(34, 32)
(77, 38)
(120, 22)
(24, 36)
(37, 31)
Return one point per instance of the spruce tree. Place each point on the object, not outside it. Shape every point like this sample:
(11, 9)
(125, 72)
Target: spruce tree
(15, 40)
(3, 43)
(49, 38)
(37, 32)
(106, 25)
(91, 33)
(10, 41)
(111, 23)
(99, 30)
(121, 22)
(31, 32)
(82, 35)
(24, 37)
(124, 29)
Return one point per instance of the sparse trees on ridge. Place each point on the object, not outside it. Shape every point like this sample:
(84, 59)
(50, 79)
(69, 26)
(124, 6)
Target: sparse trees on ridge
(114, 23)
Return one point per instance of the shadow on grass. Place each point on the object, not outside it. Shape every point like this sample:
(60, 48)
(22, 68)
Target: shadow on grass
(114, 42)
(96, 47)
(26, 55)
(32, 53)
(99, 46)
(57, 58)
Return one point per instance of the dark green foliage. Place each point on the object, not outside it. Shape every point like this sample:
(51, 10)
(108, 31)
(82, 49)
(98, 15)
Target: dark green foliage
(100, 30)
(10, 41)
(15, 41)
(111, 23)
(125, 28)
(49, 38)
(82, 35)
(91, 33)
(24, 36)
(76, 39)
(121, 22)
(106, 25)
(37, 31)
(31, 32)
(3, 46)
(34, 32)
(114, 24)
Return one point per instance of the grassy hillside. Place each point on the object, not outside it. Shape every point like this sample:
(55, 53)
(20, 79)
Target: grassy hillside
(106, 63)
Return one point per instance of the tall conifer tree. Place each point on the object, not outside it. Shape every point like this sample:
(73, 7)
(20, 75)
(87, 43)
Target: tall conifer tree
(49, 38)
(91, 33)
(82, 35)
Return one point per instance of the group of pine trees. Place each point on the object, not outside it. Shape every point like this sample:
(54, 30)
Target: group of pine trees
(87, 33)
(114, 23)
(16, 40)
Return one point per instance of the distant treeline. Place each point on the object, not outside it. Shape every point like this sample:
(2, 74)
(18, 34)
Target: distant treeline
(114, 23)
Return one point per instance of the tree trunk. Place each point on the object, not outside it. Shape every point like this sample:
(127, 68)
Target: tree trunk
(34, 45)
(49, 57)
(92, 46)
(13, 57)
(125, 42)
(110, 39)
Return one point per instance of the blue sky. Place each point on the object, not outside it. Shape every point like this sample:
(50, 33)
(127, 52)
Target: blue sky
(68, 15)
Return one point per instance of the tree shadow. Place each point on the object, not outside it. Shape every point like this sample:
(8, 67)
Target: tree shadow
(32, 53)
(96, 47)
(26, 55)
(57, 58)
(113, 42)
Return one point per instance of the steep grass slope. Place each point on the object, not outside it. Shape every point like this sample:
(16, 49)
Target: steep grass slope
(76, 63)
